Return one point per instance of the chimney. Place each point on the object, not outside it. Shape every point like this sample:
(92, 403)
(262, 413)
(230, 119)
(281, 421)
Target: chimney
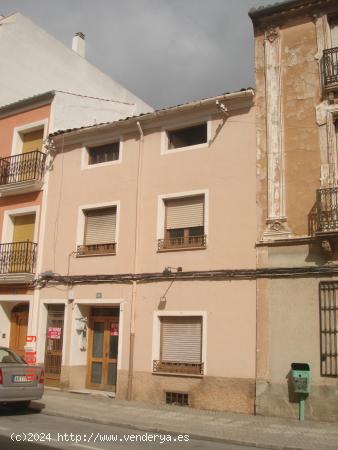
(78, 44)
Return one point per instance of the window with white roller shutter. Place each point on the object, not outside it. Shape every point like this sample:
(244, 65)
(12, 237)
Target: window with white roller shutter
(181, 339)
(187, 212)
(100, 226)
(184, 222)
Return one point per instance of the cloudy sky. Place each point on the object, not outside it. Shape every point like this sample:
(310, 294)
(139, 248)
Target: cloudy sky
(165, 51)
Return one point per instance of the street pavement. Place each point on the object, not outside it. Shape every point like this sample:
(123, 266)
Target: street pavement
(240, 429)
(34, 431)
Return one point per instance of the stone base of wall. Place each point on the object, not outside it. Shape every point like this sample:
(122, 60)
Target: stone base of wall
(274, 399)
(212, 393)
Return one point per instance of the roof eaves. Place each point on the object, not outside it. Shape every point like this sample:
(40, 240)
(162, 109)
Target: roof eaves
(158, 112)
(26, 102)
(274, 7)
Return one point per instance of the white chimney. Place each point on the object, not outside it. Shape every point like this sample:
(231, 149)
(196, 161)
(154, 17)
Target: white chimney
(78, 44)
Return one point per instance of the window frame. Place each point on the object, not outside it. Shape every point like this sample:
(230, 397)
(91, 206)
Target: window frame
(85, 153)
(161, 216)
(17, 141)
(327, 303)
(81, 224)
(178, 126)
(156, 339)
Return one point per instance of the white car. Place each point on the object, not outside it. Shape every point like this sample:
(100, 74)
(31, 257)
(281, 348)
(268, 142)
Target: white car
(19, 382)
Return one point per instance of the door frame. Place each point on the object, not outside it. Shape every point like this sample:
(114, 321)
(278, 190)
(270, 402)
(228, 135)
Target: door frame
(54, 380)
(92, 318)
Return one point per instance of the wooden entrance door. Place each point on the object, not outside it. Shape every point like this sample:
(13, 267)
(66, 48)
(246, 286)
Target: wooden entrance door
(19, 325)
(54, 340)
(102, 353)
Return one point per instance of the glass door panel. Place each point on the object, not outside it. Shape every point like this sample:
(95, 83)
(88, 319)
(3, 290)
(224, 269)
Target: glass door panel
(103, 352)
(98, 339)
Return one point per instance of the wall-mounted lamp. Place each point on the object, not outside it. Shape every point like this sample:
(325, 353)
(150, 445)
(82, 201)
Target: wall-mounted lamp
(169, 270)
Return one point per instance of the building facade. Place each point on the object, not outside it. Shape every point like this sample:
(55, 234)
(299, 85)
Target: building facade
(146, 277)
(296, 116)
(32, 61)
(24, 173)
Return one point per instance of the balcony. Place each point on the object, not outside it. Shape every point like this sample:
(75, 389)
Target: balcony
(22, 173)
(177, 367)
(330, 68)
(182, 243)
(326, 216)
(17, 262)
(96, 249)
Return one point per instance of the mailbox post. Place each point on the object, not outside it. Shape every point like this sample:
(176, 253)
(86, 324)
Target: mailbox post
(301, 379)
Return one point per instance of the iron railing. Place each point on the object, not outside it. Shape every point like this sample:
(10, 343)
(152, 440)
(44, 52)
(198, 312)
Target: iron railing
(330, 66)
(178, 367)
(96, 249)
(327, 210)
(329, 328)
(182, 242)
(23, 167)
(17, 257)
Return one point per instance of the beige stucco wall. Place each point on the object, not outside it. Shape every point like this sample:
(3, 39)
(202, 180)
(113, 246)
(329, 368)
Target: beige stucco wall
(225, 172)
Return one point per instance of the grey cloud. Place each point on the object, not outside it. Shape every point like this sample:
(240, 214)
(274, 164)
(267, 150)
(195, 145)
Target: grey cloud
(165, 51)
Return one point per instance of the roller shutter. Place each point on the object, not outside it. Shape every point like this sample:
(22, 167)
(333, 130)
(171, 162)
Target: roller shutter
(181, 339)
(100, 226)
(185, 212)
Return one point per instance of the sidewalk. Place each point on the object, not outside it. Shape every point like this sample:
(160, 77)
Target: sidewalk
(234, 428)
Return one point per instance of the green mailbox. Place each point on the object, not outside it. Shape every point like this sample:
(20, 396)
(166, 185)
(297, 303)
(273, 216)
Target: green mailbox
(301, 377)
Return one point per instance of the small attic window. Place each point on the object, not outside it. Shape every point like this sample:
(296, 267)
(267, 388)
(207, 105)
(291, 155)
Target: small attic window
(104, 153)
(186, 137)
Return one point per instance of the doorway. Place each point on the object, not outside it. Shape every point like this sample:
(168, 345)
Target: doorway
(103, 336)
(54, 341)
(19, 325)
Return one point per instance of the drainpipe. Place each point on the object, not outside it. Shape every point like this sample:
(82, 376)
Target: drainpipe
(135, 268)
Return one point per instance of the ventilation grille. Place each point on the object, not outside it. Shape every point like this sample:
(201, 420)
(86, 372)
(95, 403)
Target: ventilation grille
(177, 398)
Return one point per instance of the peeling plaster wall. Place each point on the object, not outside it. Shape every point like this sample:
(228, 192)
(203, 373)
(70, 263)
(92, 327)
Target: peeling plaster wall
(288, 309)
(300, 95)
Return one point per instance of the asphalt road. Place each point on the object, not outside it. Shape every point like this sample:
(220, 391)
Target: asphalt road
(32, 430)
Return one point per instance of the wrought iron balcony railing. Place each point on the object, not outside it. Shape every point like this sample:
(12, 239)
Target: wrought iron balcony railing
(96, 249)
(327, 210)
(17, 257)
(182, 242)
(178, 367)
(330, 66)
(23, 167)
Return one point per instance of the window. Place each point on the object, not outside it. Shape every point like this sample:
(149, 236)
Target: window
(104, 153)
(329, 328)
(184, 223)
(180, 345)
(100, 232)
(186, 137)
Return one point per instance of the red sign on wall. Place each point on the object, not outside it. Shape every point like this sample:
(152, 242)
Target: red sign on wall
(54, 333)
(114, 329)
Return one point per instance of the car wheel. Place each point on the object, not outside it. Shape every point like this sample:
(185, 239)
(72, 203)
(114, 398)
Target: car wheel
(20, 405)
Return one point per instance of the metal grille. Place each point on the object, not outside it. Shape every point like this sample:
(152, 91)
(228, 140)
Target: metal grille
(96, 249)
(327, 209)
(330, 63)
(182, 242)
(53, 355)
(23, 167)
(328, 328)
(178, 367)
(17, 257)
(177, 398)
